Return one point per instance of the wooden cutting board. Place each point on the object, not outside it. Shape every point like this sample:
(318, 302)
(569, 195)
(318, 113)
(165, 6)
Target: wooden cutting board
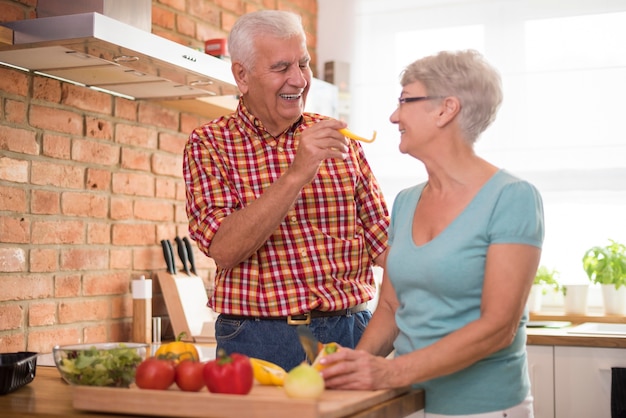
(263, 401)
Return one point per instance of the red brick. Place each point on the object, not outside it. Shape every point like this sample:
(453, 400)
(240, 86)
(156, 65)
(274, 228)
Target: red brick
(174, 4)
(13, 81)
(99, 180)
(209, 12)
(99, 233)
(133, 184)
(95, 152)
(45, 202)
(168, 165)
(15, 112)
(11, 316)
(57, 232)
(235, 6)
(14, 230)
(165, 231)
(150, 210)
(125, 109)
(150, 259)
(138, 136)
(96, 334)
(133, 234)
(135, 159)
(90, 309)
(229, 19)
(185, 25)
(24, 287)
(12, 199)
(42, 340)
(166, 188)
(56, 120)
(121, 208)
(106, 284)
(205, 32)
(44, 260)
(120, 331)
(14, 342)
(180, 214)
(84, 259)
(57, 146)
(98, 128)
(84, 204)
(48, 89)
(86, 98)
(188, 123)
(58, 175)
(67, 286)
(122, 307)
(121, 259)
(42, 313)
(173, 143)
(154, 115)
(13, 170)
(163, 18)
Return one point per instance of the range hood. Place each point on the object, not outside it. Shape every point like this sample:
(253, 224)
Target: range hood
(94, 50)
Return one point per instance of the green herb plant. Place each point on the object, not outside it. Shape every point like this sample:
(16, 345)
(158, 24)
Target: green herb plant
(97, 367)
(547, 277)
(606, 264)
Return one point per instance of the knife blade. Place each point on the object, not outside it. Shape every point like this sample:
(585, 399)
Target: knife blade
(170, 250)
(309, 342)
(169, 262)
(192, 260)
(182, 253)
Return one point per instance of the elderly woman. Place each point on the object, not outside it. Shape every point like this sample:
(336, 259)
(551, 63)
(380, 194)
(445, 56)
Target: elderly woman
(464, 249)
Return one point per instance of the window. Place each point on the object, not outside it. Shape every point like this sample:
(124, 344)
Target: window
(563, 65)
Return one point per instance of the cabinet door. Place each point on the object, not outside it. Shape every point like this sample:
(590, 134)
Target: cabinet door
(583, 380)
(541, 371)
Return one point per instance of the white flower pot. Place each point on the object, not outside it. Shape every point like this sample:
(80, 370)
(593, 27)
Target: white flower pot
(535, 298)
(614, 299)
(575, 298)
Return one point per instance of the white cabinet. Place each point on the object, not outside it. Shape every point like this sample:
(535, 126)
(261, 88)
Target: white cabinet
(572, 382)
(582, 384)
(541, 371)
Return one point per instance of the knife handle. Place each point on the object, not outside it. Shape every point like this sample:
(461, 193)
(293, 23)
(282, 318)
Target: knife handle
(170, 250)
(182, 253)
(190, 256)
(168, 257)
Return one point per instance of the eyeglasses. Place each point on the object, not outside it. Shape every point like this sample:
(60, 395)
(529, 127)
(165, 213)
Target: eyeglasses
(403, 100)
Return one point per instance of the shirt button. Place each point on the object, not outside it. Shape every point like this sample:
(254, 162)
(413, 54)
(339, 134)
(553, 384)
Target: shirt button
(281, 149)
(303, 253)
(293, 219)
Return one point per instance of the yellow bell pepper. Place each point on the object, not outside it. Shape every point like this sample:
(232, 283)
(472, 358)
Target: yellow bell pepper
(178, 350)
(349, 134)
(267, 373)
(324, 351)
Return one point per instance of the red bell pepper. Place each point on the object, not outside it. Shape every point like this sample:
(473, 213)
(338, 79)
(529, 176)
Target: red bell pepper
(229, 374)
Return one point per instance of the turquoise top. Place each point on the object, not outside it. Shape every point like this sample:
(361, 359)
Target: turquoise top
(439, 287)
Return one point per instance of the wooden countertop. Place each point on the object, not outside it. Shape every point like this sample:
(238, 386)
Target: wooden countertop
(560, 336)
(49, 396)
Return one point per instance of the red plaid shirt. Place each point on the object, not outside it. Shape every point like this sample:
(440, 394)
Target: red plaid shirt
(321, 255)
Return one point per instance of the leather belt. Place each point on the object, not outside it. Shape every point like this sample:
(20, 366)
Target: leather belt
(300, 319)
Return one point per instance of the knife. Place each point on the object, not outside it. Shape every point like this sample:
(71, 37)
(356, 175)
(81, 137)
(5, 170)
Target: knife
(309, 342)
(192, 260)
(169, 261)
(171, 252)
(182, 253)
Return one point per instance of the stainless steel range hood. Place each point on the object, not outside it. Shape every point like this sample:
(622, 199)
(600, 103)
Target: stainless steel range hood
(97, 51)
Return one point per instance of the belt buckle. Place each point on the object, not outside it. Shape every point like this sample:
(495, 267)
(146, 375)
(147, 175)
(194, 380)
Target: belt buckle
(305, 321)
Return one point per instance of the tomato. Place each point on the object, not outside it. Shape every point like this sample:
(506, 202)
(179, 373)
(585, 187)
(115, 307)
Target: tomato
(189, 376)
(155, 373)
(229, 374)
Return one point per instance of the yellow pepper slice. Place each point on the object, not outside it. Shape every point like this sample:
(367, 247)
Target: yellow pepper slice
(326, 349)
(349, 134)
(267, 373)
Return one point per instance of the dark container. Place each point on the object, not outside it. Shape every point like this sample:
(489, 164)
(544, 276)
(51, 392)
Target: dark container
(16, 370)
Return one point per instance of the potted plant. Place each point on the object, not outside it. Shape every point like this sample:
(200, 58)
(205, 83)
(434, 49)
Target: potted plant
(544, 279)
(606, 266)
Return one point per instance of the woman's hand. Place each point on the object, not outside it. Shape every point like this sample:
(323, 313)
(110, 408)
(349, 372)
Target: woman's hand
(358, 370)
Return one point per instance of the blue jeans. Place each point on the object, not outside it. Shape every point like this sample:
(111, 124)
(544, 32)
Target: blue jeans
(277, 342)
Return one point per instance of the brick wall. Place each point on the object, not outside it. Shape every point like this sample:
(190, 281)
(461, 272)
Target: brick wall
(89, 185)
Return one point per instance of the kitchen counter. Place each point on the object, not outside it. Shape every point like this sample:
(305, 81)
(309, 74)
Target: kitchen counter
(560, 336)
(49, 396)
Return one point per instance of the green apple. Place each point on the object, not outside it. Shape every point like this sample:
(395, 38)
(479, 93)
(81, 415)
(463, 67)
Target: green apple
(304, 382)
